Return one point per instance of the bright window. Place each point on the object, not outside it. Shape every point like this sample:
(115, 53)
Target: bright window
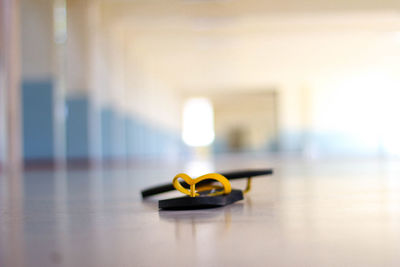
(198, 122)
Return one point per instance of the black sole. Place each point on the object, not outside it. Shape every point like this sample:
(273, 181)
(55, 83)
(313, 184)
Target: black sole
(201, 202)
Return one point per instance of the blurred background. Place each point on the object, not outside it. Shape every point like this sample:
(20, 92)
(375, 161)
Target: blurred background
(88, 82)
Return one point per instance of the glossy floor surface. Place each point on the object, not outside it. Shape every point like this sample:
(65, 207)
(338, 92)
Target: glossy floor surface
(309, 213)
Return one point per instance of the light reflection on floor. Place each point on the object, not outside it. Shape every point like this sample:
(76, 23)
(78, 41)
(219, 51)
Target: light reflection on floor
(310, 213)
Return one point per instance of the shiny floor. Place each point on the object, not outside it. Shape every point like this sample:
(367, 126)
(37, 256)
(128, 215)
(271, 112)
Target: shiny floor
(309, 213)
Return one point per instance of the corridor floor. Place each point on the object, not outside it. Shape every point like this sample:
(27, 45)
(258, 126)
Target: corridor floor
(309, 213)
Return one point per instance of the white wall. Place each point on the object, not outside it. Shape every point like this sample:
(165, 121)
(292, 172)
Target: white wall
(150, 98)
(118, 78)
(37, 44)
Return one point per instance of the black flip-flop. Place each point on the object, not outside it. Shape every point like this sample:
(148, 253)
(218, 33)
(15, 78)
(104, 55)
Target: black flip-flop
(212, 197)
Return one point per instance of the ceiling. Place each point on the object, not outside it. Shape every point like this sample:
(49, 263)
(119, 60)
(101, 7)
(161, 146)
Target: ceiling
(197, 46)
(218, 8)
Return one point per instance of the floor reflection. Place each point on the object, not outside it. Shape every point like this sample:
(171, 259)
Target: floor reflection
(220, 219)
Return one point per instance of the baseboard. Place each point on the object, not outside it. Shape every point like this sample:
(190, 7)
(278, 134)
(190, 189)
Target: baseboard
(39, 164)
(81, 163)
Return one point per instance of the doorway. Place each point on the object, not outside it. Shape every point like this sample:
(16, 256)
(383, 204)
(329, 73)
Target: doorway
(246, 121)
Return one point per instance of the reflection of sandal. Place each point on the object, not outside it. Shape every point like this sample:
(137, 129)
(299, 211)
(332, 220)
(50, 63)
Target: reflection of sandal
(202, 192)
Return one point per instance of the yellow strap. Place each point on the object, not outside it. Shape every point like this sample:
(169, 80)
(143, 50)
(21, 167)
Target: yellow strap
(192, 183)
(248, 186)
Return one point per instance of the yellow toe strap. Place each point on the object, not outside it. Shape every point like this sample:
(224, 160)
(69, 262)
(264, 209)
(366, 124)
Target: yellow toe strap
(192, 183)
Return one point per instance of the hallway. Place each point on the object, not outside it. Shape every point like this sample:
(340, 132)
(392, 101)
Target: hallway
(100, 99)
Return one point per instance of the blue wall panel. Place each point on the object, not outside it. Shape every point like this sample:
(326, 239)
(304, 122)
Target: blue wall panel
(135, 138)
(77, 128)
(129, 133)
(38, 123)
(107, 118)
(140, 140)
(119, 149)
(145, 140)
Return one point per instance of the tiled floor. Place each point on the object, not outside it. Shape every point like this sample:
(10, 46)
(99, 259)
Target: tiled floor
(310, 213)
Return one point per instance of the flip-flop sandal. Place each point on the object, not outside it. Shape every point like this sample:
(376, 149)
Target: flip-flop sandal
(201, 192)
